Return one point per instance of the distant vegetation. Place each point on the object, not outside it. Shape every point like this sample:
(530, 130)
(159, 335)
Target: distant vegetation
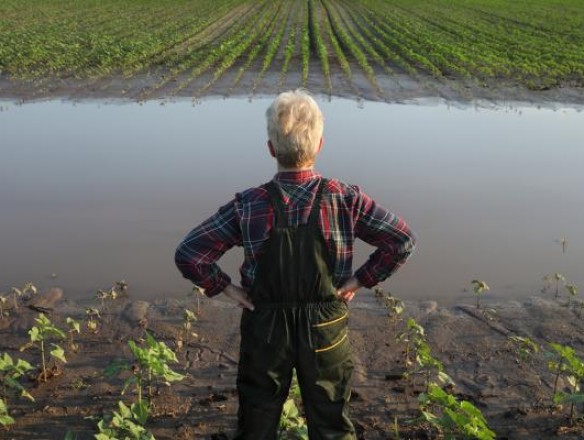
(534, 43)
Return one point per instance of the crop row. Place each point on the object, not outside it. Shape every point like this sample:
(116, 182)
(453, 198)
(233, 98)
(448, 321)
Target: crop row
(538, 44)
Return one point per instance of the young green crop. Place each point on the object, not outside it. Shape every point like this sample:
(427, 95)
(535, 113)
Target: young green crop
(291, 421)
(564, 361)
(39, 334)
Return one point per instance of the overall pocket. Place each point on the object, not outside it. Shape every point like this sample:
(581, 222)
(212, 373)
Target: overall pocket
(330, 337)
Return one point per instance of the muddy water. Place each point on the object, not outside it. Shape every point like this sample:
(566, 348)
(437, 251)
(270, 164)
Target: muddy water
(91, 193)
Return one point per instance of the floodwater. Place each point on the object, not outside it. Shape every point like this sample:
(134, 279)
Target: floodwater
(92, 193)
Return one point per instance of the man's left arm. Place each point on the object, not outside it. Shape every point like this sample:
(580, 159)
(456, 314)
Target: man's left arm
(386, 231)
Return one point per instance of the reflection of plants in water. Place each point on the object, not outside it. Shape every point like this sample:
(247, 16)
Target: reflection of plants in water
(479, 287)
(555, 278)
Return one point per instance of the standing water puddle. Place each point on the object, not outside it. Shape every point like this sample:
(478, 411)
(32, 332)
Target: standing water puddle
(92, 193)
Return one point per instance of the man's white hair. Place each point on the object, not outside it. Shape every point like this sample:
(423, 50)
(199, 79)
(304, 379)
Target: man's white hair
(295, 126)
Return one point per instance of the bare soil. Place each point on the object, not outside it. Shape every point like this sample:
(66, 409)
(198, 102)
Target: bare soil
(514, 394)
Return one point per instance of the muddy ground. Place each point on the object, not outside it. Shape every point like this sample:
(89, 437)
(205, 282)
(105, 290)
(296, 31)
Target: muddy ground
(514, 394)
(398, 88)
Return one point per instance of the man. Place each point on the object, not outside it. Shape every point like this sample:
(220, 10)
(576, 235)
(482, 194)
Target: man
(297, 232)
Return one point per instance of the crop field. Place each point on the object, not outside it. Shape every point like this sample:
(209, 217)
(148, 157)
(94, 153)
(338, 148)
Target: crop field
(194, 46)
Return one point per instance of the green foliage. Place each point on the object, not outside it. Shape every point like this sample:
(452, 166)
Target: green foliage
(125, 424)
(524, 347)
(5, 418)
(151, 364)
(10, 373)
(454, 418)
(40, 333)
(479, 287)
(564, 361)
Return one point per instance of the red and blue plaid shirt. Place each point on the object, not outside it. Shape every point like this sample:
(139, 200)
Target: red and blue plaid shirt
(346, 213)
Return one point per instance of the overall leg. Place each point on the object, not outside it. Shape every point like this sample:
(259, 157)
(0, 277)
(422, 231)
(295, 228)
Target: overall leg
(325, 369)
(264, 376)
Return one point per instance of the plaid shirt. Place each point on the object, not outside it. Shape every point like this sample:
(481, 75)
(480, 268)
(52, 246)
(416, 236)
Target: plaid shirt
(346, 213)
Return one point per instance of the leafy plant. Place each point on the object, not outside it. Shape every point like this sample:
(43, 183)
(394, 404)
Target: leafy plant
(188, 318)
(5, 418)
(92, 317)
(39, 334)
(453, 417)
(479, 287)
(74, 327)
(564, 361)
(151, 363)
(3, 301)
(395, 307)
(28, 289)
(127, 423)
(524, 347)
(10, 373)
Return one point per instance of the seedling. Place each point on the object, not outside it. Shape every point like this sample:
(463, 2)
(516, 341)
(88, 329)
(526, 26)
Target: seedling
(572, 290)
(93, 317)
(28, 289)
(3, 301)
(5, 419)
(414, 332)
(524, 347)
(39, 334)
(394, 306)
(188, 318)
(479, 287)
(10, 373)
(452, 417)
(151, 363)
(126, 423)
(564, 361)
(556, 278)
(74, 327)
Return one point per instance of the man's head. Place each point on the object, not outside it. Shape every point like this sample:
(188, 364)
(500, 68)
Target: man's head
(295, 126)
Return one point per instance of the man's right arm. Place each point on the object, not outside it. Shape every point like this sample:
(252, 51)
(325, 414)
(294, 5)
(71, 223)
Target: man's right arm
(197, 254)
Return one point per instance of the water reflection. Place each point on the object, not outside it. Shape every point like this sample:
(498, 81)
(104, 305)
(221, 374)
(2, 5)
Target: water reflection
(95, 193)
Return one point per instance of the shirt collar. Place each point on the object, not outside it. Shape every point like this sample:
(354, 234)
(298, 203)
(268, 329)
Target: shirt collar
(296, 177)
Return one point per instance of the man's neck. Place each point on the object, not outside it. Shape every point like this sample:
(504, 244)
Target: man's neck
(282, 169)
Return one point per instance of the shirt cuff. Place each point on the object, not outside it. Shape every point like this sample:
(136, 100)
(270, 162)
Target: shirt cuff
(218, 287)
(366, 279)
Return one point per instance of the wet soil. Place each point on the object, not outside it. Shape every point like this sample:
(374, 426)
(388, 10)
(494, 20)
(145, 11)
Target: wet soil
(514, 393)
(162, 85)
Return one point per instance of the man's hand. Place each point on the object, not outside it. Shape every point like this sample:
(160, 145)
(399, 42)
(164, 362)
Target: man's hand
(347, 291)
(240, 296)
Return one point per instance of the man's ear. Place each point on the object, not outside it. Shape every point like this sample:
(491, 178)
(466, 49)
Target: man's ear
(271, 148)
(320, 145)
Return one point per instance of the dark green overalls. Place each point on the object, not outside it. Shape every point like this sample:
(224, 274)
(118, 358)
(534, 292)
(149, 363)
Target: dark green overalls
(300, 323)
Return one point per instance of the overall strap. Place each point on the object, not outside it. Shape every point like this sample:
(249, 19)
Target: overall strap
(276, 200)
(315, 212)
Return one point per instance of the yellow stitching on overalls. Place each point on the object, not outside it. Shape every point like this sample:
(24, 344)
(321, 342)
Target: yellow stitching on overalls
(322, 324)
(330, 347)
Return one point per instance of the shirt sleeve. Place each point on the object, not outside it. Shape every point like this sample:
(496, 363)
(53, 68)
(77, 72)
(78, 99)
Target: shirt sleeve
(389, 233)
(197, 254)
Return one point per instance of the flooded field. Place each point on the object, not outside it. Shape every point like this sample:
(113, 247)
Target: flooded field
(92, 193)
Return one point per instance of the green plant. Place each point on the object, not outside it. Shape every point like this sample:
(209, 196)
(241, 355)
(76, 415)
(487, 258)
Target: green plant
(414, 332)
(93, 317)
(292, 424)
(151, 363)
(564, 361)
(524, 347)
(452, 417)
(10, 373)
(74, 327)
(39, 334)
(28, 289)
(5, 418)
(188, 318)
(556, 278)
(3, 301)
(127, 423)
(395, 307)
(479, 287)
